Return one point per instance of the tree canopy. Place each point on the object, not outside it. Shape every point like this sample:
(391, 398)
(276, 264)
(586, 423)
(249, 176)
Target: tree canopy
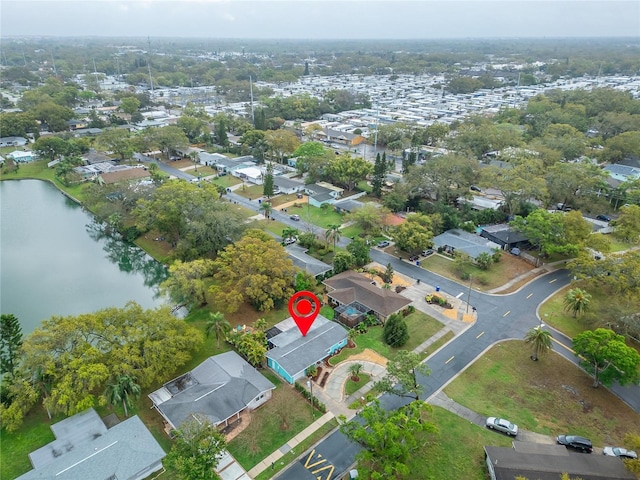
(77, 354)
(256, 269)
(606, 356)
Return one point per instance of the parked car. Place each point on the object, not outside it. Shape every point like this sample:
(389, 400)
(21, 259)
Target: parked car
(475, 188)
(427, 252)
(575, 442)
(502, 425)
(604, 218)
(619, 452)
(288, 241)
(295, 217)
(383, 244)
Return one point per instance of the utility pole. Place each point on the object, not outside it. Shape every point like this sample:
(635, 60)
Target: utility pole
(253, 118)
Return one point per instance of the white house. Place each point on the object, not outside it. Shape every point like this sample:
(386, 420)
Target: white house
(21, 156)
(13, 142)
(250, 174)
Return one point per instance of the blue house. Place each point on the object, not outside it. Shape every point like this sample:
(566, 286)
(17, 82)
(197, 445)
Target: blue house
(290, 354)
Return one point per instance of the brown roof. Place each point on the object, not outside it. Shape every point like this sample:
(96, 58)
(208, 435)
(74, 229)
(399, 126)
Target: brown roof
(348, 287)
(122, 175)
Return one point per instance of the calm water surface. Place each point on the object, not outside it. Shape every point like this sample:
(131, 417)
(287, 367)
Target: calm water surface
(54, 259)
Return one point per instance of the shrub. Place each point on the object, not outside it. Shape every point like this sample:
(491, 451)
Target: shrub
(396, 332)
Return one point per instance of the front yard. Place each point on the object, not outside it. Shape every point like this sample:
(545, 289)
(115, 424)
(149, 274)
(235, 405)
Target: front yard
(550, 397)
(509, 267)
(272, 425)
(421, 328)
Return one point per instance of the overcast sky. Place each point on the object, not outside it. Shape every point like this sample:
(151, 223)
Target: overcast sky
(326, 19)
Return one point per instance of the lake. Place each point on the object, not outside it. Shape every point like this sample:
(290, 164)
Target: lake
(55, 260)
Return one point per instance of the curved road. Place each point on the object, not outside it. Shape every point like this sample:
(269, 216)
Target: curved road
(500, 317)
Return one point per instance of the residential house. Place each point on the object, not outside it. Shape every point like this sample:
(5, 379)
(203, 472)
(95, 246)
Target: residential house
(92, 157)
(87, 132)
(548, 462)
(220, 388)
(22, 156)
(13, 142)
(251, 174)
(622, 173)
(322, 192)
(306, 262)
(287, 186)
(123, 175)
(354, 296)
(348, 205)
(76, 124)
(339, 136)
(505, 236)
(456, 240)
(290, 354)
(84, 447)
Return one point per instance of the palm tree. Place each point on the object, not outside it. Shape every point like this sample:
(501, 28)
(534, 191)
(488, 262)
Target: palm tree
(577, 301)
(540, 339)
(355, 369)
(311, 371)
(122, 390)
(333, 233)
(266, 208)
(289, 232)
(218, 325)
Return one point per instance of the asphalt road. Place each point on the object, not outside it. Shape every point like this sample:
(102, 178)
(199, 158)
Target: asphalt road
(500, 317)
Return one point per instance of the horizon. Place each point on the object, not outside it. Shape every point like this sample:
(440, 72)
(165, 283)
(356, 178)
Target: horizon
(322, 20)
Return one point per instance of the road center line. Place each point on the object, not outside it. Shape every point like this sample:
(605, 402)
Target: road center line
(480, 334)
(452, 357)
(530, 295)
(460, 294)
(554, 280)
(508, 312)
(563, 345)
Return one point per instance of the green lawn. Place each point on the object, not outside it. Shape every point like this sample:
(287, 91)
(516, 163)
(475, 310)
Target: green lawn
(551, 396)
(421, 327)
(352, 231)
(266, 432)
(319, 217)
(15, 447)
(351, 387)
(292, 454)
(226, 180)
(250, 191)
(456, 452)
(498, 273)
(618, 245)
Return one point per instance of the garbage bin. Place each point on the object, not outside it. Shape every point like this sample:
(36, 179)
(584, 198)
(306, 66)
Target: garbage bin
(418, 262)
(437, 288)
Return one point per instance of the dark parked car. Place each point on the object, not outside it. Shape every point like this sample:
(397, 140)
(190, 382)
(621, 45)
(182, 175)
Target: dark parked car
(604, 218)
(475, 188)
(575, 442)
(620, 452)
(383, 244)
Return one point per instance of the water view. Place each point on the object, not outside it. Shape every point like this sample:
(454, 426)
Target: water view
(55, 260)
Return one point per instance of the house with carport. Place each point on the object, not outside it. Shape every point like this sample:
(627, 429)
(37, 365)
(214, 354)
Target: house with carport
(289, 354)
(220, 389)
(354, 296)
(322, 192)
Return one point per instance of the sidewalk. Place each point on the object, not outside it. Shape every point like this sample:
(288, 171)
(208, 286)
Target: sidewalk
(440, 399)
(290, 445)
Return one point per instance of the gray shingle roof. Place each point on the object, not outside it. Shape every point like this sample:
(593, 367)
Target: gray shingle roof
(295, 353)
(218, 388)
(306, 262)
(85, 449)
(466, 242)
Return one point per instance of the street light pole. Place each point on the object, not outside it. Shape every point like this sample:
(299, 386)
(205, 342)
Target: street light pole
(469, 294)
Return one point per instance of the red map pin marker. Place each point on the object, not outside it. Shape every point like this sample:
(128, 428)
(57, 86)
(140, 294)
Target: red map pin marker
(304, 307)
